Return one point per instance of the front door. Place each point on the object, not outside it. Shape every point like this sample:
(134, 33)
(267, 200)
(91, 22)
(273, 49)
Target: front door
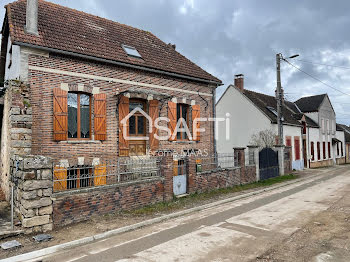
(305, 153)
(137, 128)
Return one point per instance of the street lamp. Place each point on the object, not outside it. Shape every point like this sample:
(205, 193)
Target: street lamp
(279, 96)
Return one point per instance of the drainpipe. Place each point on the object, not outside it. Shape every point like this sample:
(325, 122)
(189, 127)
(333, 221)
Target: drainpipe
(214, 116)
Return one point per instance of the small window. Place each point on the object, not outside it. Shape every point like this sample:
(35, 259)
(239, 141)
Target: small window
(272, 110)
(79, 116)
(182, 111)
(79, 178)
(131, 51)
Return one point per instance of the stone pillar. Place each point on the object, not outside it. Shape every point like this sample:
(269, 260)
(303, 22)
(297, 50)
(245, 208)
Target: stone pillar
(168, 170)
(280, 151)
(288, 162)
(255, 149)
(33, 182)
(239, 157)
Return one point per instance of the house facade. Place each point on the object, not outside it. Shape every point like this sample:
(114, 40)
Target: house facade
(324, 142)
(251, 112)
(346, 130)
(72, 78)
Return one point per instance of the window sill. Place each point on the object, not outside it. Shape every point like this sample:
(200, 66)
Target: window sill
(80, 142)
(185, 142)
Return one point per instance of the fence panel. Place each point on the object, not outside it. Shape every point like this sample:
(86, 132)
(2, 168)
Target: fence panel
(215, 162)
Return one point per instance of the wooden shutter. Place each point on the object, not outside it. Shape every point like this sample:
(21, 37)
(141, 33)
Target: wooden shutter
(100, 116)
(172, 119)
(100, 177)
(175, 168)
(154, 114)
(297, 148)
(60, 114)
(60, 173)
(123, 112)
(196, 113)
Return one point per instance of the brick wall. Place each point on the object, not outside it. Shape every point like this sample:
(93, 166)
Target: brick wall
(42, 84)
(72, 207)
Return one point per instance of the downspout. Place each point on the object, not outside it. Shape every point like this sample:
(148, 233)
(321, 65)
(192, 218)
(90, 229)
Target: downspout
(307, 146)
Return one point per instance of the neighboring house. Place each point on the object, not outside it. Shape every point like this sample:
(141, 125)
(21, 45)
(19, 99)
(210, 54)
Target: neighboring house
(251, 112)
(80, 77)
(346, 130)
(323, 142)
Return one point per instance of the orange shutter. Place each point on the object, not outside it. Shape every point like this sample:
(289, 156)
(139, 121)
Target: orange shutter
(100, 116)
(60, 114)
(196, 113)
(175, 167)
(172, 119)
(60, 174)
(100, 177)
(154, 114)
(123, 112)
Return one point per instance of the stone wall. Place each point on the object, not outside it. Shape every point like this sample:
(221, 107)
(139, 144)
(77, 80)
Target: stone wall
(16, 137)
(32, 180)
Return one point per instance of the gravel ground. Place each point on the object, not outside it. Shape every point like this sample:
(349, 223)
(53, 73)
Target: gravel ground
(326, 237)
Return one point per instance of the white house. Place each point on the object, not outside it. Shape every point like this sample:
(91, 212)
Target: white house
(252, 112)
(325, 145)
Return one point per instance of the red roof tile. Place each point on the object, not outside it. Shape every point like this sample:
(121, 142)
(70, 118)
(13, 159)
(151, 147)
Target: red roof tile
(70, 30)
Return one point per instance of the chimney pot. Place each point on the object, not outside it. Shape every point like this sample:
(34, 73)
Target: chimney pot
(32, 17)
(239, 82)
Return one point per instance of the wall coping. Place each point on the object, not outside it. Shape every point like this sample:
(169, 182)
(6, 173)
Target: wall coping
(218, 170)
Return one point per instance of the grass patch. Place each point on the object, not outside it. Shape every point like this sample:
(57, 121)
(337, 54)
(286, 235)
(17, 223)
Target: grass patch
(178, 203)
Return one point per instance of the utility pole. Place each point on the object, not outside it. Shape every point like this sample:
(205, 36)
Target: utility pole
(279, 98)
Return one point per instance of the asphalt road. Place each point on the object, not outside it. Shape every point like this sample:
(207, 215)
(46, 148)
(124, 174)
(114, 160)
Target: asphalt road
(236, 231)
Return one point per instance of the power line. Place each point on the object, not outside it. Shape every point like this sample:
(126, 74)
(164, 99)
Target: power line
(315, 78)
(310, 62)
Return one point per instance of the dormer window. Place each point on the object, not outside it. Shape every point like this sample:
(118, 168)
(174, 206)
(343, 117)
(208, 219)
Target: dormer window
(272, 110)
(131, 51)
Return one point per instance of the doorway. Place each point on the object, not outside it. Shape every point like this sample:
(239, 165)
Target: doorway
(137, 128)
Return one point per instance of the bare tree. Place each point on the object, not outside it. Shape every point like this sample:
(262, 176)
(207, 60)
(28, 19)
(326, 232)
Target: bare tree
(264, 138)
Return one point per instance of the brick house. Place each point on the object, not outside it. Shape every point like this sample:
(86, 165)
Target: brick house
(71, 78)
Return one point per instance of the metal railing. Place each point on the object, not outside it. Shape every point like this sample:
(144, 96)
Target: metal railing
(107, 172)
(217, 161)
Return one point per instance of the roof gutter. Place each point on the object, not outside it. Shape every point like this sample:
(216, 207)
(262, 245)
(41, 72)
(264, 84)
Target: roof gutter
(97, 59)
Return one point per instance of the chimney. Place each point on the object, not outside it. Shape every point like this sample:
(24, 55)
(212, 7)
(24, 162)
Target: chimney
(239, 82)
(31, 26)
(172, 46)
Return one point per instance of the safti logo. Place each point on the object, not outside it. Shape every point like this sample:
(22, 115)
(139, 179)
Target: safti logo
(181, 126)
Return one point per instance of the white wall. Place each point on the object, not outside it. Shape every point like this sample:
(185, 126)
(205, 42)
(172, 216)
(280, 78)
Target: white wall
(245, 120)
(12, 72)
(341, 136)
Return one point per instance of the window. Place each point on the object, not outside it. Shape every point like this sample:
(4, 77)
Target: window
(182, 111)
(337, 149)
(322, 125)
(329, 150)
(181, 167)
(131, 51)
(137, 122)
(324, 150)
(79, 177)
(304, 127)
(297, 147)
(312, 151)
(327, 121)
(272, 110)
(79, 116)
(341, 149)
(318, 151)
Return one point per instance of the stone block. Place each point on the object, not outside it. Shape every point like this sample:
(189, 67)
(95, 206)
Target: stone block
(21, 143)
(21, 118)
(15, 111)
(37, 162)
(28, 175)
(45, 210)
(46, 174)
(36, 221)
(42, 202)
(28, 195)
(26, 213)
(37, 184)
(40, 192)
(21, 131)
(47, 192)
(47, 227)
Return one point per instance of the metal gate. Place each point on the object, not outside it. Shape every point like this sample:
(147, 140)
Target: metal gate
(180, 178)
(268, 163)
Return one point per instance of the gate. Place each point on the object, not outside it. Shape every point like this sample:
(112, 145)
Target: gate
(268, 164)
(180, 178)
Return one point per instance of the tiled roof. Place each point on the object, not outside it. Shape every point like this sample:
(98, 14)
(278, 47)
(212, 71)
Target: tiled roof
(70, 30)
(346, 130)
(263, 101)
(310, 103)
(308, 120)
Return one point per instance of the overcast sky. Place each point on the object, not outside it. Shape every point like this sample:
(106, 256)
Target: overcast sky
(231, 37)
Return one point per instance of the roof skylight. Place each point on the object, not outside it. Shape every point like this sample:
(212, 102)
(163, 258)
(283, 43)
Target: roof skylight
(131, 51)
(271, 109)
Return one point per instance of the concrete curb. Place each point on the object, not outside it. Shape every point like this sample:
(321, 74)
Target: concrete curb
(49, 250)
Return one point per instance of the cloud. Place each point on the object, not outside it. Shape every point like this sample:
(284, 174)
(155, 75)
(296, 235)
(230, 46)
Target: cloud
(231, 37)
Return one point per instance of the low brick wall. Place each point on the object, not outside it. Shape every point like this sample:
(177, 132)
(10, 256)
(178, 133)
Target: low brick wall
(75, 206)
(341, 161)
(323, 163)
